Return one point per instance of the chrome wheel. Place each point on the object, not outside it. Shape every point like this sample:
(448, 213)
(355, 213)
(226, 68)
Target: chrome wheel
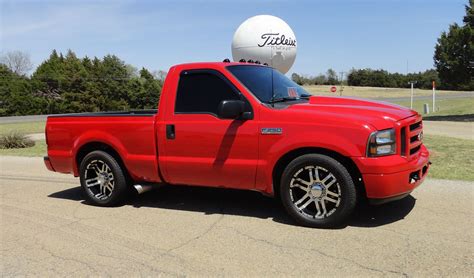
(99, 179)
(315, 192)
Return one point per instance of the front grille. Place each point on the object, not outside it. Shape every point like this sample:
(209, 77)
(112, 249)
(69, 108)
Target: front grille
(415, 150)
(415, 126)
(403, 137)
(415, 137)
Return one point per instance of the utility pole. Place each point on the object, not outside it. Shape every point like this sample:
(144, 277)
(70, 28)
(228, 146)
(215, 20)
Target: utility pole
(342, 84)
(434, 91)
(411, 97)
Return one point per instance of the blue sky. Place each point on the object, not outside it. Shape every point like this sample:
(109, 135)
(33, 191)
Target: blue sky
(157, 34)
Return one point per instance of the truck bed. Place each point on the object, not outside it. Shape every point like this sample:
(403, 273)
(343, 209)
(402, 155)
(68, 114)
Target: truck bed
(68, 135)
(147, 112)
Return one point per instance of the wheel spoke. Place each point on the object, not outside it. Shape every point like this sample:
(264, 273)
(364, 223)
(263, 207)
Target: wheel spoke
(330, 183)
(303, 206)
(110, 186)
(327, 178)
(295, 185)
(310, 174)
(330, 200)
(307, 183)
(316, 174)
(318, 209)
(332, 194)
(302, 199)
(323, 205)
(92, 182)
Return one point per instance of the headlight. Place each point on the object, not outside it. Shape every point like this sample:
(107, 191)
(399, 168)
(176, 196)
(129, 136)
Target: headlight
(381, 143)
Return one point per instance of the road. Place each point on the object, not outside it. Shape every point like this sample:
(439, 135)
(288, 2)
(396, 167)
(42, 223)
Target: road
(48, 230)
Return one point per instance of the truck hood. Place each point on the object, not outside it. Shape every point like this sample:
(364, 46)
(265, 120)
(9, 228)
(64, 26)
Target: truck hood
(379, 114)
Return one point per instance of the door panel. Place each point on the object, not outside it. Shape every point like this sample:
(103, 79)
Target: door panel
(211, 151)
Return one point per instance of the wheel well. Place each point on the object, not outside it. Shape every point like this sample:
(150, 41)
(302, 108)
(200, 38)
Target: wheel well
(99, 146)
(345, 161)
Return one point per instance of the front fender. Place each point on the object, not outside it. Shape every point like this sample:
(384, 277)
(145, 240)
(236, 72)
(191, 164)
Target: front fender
(347, 146)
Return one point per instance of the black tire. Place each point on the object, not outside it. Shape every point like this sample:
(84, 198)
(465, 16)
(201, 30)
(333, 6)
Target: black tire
(292, 194)
(94, 194)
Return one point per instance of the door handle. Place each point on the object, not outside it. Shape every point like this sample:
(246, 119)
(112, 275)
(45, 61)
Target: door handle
(170, 132)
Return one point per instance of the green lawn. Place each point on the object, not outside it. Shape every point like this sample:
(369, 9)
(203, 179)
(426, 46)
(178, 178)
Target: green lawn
(452, 158)
(39, 149)
(373, 92)
(455, 106)
(24, 128)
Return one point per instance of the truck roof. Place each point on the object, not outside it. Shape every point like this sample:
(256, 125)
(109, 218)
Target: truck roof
(218, 64)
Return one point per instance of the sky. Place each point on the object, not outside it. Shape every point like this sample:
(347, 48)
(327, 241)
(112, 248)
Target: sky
(396, 35)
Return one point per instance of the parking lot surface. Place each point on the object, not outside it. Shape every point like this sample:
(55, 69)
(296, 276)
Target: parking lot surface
(48, 230)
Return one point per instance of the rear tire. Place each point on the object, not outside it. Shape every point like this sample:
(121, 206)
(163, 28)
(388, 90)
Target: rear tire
(317, 191)
(102, 179)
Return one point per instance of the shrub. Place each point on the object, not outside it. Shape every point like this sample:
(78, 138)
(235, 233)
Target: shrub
(15, 141)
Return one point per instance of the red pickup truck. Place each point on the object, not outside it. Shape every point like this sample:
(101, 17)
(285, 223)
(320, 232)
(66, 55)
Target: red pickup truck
(246, 126)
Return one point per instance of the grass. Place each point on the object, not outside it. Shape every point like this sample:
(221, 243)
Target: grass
(39, 149)
(454, 106)
(452, 158)
(373, 92)
(24, 128)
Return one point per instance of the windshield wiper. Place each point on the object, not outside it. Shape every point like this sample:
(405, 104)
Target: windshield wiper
(281, 99)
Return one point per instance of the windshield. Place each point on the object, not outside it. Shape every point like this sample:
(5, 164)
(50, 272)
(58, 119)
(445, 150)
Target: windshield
(267, 84)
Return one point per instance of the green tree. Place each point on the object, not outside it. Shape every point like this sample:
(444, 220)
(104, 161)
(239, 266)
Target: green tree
(16, 96)
(454, 54)
(331, 76)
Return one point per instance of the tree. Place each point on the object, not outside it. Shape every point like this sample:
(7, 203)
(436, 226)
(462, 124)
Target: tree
(17, 61)
(160, 75)
(296, 78)
(331, 76)
(454, 54)
(469, 18)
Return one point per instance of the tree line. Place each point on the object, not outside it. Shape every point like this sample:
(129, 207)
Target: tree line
(68, 84)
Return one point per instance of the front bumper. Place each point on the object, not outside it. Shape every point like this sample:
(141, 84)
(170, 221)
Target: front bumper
(393, 177)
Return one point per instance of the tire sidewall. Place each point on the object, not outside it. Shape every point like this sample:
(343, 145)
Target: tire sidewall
(348, 193)
(120, 184)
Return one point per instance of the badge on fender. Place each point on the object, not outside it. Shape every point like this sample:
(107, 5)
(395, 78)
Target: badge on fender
(272, 130)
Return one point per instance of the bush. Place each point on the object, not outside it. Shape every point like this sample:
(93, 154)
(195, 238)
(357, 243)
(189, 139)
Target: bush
(15, 141)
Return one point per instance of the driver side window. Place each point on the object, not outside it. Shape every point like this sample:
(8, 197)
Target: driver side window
(200, 92)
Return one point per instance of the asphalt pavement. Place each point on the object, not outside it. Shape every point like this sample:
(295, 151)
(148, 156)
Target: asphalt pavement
(47, 229)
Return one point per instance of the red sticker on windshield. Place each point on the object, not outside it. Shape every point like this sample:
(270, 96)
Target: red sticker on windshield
(292, 92)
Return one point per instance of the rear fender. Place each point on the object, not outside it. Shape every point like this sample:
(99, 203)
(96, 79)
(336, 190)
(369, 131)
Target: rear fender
(100, 137)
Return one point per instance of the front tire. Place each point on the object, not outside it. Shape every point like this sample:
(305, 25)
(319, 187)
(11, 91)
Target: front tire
(102, 179)
(317, 191)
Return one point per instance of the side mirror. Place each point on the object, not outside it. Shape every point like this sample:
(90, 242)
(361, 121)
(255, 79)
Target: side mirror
(231, 109)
